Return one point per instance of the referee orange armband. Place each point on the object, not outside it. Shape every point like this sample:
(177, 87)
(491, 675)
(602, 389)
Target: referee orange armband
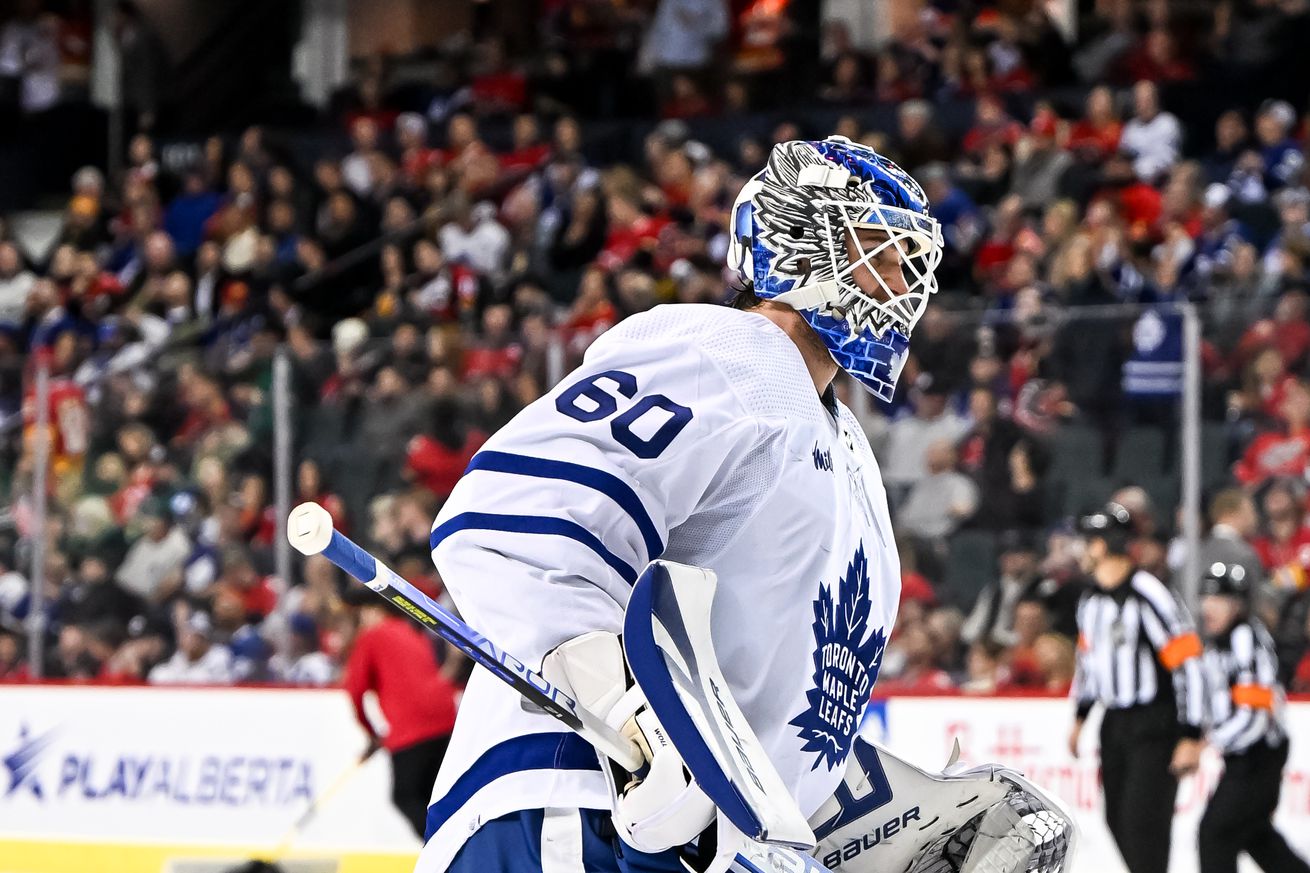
(1179, 650)
(1254, 696)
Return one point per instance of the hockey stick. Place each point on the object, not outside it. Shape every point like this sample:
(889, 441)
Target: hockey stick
(309, 528)
(310, 531)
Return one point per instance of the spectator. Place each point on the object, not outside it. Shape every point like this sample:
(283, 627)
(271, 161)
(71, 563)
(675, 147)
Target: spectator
(1040, 165)
(1230, 142)
(1284, 451)
(941, 501)
(16, 282)
(477, 240)
(29, 53)
(198, 659)
(1096, 135)
(305, 663)
(152, 567)
(1153, 137)
(1282, 155)
(1055, 658)
(991, 622)
(918, 141)
(906, 456)
(913, 663)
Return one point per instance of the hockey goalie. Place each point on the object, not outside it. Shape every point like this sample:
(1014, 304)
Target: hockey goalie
(690, 533)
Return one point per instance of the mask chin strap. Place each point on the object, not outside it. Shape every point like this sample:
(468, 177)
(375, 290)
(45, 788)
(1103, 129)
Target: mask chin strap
(824, 294)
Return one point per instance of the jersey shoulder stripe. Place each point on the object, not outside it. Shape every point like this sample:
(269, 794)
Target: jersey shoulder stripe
(598, 480)
(533, 524)
(548, 751)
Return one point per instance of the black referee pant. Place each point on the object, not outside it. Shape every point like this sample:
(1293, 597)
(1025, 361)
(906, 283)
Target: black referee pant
(1137, 746)
(1239, 817)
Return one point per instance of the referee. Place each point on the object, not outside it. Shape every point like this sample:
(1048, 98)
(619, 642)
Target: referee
(1139, 657)
(1246, 727)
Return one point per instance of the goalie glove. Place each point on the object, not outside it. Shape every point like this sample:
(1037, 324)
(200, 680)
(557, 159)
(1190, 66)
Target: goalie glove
(661, 807)
(889, 815)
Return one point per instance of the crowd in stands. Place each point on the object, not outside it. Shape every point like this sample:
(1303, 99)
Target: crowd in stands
(428, 279)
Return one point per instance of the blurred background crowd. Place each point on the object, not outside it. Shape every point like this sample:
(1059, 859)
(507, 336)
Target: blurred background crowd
(440, 244)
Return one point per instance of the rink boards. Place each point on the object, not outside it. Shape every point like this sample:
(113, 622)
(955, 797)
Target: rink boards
(198, 780)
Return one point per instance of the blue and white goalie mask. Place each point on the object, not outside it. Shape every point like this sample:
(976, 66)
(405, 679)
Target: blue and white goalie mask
(843, 235)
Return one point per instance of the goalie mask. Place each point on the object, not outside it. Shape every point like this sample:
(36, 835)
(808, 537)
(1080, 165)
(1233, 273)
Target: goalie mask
(815, 230)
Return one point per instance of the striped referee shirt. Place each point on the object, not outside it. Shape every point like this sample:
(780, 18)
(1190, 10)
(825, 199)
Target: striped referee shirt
(1246, 701)
(1136, 642)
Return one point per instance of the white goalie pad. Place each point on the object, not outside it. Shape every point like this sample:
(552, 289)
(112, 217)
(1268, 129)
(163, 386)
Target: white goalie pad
(889, 816)
(666, 637)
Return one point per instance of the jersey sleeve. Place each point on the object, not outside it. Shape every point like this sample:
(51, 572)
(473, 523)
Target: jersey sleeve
(1083, 691)
(1170, 630)
(1242, 716)
(561, 510)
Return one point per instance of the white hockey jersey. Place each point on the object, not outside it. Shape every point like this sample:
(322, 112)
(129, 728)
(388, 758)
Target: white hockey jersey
(693, 433)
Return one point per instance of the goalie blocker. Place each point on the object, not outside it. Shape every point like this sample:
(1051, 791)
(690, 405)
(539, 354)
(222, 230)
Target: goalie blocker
(886, 815)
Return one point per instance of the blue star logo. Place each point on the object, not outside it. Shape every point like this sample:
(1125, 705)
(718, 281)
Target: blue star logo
(22, 762)
(847, 656)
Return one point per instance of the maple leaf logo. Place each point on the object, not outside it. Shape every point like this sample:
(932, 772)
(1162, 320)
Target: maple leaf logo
(847, 656)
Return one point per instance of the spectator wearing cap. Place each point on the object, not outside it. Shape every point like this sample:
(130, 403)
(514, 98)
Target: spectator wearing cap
(304, 662)
(1039, 164)
(1282, 155)
(1220, 235)
(1153, 137)
(198, 659)
(991, 620)
(152, 567)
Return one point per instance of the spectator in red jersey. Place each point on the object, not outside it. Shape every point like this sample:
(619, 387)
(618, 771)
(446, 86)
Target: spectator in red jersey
(1283, 452)
(1095, 136)
(396, 661)
(257, 595)
(1288, 331)
(919, 672)
(1285, 541)
(529, 151)
(438, 458)
(1156, 59)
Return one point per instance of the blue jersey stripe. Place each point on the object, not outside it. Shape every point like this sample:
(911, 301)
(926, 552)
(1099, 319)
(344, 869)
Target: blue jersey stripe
(533, 524)
(550, 751)
(606, 483)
